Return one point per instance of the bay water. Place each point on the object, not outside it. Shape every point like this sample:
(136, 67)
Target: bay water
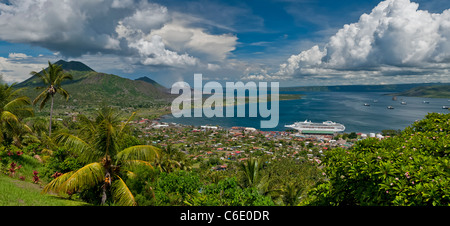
(347, 108)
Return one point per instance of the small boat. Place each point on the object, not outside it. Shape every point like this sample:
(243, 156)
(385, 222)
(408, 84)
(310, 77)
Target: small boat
(375, 101)
(445, 107)
(403, 103)
(426, 102)
(366, 104)
(390, 107)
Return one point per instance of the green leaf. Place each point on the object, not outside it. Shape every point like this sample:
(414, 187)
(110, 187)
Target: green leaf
(122, 194)
(139, 152)
(89, 175)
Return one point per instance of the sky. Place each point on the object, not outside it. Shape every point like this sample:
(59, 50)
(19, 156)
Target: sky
(295, 43)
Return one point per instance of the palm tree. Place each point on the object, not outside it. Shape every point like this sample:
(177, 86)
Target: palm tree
(52, 79)
(291, 193)
(13, 106)
(100, 147)
(251, 170)
(173, 159)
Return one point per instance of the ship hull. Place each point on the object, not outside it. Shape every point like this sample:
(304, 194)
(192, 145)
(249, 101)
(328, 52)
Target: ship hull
(325, 127)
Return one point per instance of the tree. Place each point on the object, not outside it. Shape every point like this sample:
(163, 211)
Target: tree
(291, 193)
(411, 168)
(253, 175)
(100, 147)
(173, 159)
(13, 107)
(52, 79)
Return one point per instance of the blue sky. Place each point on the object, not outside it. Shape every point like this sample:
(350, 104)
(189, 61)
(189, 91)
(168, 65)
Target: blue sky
(297, 43)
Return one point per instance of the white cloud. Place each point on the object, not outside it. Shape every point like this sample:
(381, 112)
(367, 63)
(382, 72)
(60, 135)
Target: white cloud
(15, 69)
(18, 55)
(396, 37)
(122, 3)
(151, 48)
(213, 67)
(146, 17)
(65, 26)
(180, 37)
(145, 32)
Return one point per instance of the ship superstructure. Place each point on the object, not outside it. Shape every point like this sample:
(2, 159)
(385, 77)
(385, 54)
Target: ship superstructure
(311, 127)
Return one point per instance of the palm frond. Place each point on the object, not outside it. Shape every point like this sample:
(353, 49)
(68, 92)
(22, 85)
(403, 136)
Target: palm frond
(55, 184)
(61, 77)
(63, 92)
(15, 92)
(135, 163)
(139, 152)
(44, 77)
(121, 194)
(42, 96)
(27, 128)
(86, 152)
(24, 112)
(126, 123)
(17, 103)
(105, 139)
(18, 106)
(8, 117)
(89, 175)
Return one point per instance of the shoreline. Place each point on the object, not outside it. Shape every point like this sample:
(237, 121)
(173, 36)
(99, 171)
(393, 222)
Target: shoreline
(281, 97)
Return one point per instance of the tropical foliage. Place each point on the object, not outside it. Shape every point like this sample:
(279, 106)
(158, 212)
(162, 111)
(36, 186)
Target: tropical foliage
(103, 160)
(410, 169)
(13, 108)
(52, 77)
(100, 147)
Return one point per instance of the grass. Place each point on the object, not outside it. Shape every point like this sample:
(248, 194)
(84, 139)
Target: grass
(15, 192)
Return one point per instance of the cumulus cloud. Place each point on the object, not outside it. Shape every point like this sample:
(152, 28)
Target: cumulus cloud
(145, 32)
(183, 38)
(17, 67)
(395, 38)
(151, 48)
(65, 26)
(18, 56)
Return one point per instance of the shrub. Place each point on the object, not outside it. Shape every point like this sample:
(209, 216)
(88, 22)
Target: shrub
(412, 168)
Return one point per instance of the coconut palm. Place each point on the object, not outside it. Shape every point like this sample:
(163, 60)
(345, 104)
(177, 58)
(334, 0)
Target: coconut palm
(173, 159)
(251, 169)
(52, 77)
(13, 107)
(100, 147)
(291, 193)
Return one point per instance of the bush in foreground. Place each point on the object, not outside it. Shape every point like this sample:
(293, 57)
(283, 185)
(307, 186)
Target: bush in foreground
(412, 168)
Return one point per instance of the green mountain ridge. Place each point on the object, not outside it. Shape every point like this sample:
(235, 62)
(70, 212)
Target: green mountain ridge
(360, 88)
(90, 89)
(436, 91)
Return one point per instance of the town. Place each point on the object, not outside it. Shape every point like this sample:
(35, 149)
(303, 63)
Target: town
(218, 147)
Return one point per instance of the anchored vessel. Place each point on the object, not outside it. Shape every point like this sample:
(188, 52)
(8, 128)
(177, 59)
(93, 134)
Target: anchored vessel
(328, 127)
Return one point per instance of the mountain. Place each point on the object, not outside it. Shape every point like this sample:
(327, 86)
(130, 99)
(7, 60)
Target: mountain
(77, 69)
(151, 81)
(147, 79)
(90, 89)
(435, 91)
(73, 66)
(358, 88)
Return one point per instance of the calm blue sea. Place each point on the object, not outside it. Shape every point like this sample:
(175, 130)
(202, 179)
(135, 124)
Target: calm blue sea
(343, 107)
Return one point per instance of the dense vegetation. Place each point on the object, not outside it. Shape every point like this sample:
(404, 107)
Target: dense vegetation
(412, 168)
(102, 159)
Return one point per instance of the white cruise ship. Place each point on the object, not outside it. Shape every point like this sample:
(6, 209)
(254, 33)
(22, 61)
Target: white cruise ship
(324, 127)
